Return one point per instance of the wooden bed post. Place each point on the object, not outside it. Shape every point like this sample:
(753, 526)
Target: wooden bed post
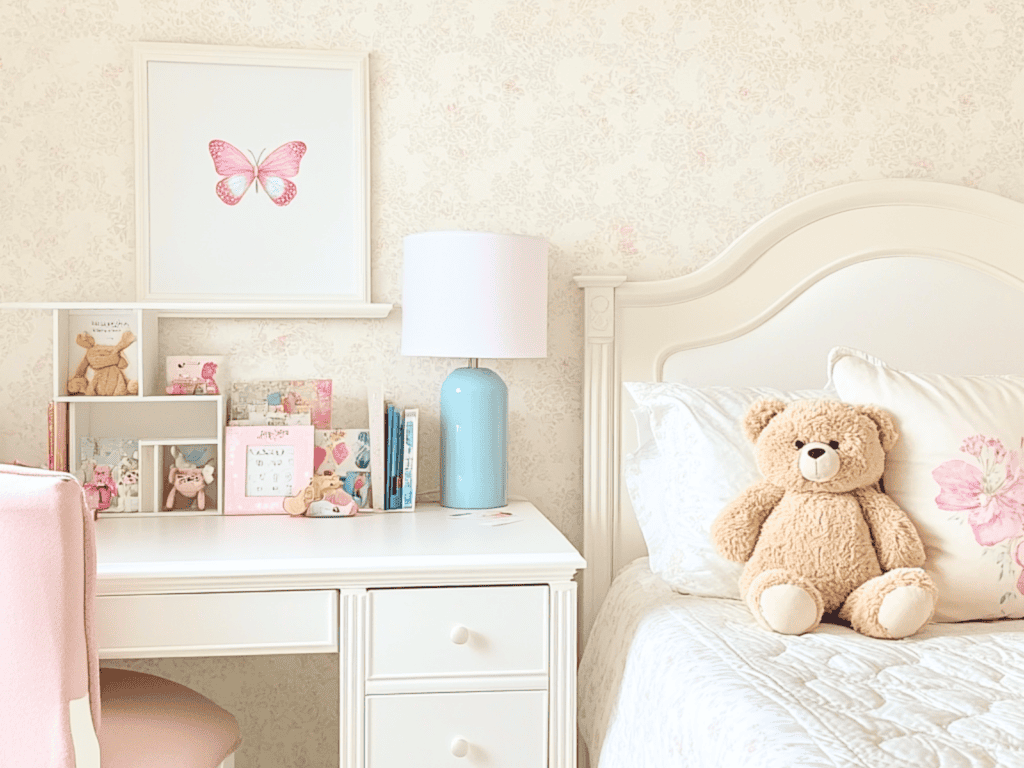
(600, 416)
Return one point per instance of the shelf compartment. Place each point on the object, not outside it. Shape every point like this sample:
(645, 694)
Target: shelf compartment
(156, 460)
(106, 327)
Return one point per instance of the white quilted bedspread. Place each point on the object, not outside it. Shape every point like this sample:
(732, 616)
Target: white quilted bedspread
(676, 681)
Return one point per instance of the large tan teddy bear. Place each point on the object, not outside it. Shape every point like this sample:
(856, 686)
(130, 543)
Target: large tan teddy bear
(817, 535)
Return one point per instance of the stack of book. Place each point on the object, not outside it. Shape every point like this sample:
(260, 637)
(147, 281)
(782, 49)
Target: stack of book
(394, 437)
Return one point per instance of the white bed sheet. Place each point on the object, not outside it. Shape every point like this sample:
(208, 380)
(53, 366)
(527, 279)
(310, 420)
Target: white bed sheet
(676, 681)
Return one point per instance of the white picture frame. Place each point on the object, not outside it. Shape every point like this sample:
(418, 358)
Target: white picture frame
(298, 231)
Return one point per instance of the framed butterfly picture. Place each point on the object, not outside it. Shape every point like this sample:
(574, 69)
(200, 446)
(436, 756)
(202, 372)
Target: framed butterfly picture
(252, 175)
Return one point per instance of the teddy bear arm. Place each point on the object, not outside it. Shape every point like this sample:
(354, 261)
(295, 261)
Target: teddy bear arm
(897, 542)
(736, 529)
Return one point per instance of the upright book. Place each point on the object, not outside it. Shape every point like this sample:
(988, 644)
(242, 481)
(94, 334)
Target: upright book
(410, 444)
(394, 461)
(57, 436)
(346, 453)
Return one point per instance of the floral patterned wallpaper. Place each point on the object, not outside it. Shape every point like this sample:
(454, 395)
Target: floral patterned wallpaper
(638, 136)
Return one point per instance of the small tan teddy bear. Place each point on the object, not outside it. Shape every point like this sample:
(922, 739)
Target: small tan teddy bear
(817, 535)
(108, 363)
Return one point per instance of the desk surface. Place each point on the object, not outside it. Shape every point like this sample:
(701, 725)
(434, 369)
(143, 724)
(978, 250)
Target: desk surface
(259, 552)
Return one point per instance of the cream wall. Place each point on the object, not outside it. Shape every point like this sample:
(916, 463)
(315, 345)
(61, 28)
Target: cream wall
(637, 136)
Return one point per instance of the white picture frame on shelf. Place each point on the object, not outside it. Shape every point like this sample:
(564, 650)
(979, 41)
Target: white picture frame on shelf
(252, 174)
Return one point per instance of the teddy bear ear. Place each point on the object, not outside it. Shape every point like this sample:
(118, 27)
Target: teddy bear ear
(759, 414)
(85, 340)
(888, 432)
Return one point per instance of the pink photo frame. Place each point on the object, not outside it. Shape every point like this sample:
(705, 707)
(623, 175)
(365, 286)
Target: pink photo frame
(264, 466)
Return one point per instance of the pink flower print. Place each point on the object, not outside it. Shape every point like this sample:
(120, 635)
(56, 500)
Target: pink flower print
(209, 371)
(340, 453)
(992, 496)
(975, 446)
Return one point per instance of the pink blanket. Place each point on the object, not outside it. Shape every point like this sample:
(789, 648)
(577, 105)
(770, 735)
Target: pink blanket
(48, 655)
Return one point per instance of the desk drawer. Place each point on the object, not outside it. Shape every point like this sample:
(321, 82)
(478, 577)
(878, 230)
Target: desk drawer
(458, 730)
(217, 624)
(457, 631)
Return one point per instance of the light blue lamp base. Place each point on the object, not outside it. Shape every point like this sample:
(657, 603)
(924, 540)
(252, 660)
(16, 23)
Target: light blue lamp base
(474, 427)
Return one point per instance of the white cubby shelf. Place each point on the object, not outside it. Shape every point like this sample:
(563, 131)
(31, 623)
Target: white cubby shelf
(153, 418)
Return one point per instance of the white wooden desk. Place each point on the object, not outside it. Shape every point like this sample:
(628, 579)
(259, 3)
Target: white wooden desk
(449, 631)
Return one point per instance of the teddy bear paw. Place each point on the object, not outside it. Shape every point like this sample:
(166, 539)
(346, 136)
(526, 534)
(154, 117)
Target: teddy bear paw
(789, 609)
(905, 610)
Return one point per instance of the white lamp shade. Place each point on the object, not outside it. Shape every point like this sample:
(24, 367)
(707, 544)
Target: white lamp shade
(475, 294)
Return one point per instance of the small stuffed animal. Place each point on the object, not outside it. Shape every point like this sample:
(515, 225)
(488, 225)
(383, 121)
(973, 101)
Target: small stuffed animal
(817, 534)
(108, 363)
(190, 482)
(101, 489)
(127, 476)
(326, 486)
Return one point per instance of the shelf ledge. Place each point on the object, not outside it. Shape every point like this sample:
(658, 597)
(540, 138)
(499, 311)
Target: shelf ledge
(138, 398)
(237, 310)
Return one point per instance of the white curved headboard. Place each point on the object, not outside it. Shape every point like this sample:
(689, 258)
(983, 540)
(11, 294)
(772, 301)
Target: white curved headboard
(926, 276)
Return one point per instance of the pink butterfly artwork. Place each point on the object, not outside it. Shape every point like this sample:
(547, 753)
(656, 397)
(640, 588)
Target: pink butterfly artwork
(274, 174)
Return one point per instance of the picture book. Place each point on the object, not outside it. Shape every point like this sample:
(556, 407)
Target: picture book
(108, 468)
(393, 427)
(346, 453)
(410, 440)
(281, 403)
(341, 450)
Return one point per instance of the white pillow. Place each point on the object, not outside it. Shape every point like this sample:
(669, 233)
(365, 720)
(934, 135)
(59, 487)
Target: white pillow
(693, 459)
(958, 471)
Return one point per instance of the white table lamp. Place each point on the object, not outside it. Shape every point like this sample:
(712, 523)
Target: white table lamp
(473, 295)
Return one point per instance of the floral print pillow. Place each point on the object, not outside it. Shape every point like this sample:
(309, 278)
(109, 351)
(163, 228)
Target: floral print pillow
(957, 472)
(989, 495)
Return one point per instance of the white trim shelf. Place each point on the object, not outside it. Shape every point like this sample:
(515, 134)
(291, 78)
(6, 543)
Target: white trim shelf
(228, 310)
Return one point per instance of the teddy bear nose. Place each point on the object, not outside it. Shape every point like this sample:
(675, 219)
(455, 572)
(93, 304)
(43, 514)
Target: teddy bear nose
(816, 453)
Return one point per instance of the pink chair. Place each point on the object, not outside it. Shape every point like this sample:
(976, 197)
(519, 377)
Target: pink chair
(58, 709)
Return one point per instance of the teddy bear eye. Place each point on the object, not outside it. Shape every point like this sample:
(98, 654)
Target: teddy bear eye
(799, 444)
(834, 445)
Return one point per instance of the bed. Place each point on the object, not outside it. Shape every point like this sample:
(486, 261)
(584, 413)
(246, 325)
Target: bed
(896, 292)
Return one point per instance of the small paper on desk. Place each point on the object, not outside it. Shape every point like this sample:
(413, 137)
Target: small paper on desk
(489, 517)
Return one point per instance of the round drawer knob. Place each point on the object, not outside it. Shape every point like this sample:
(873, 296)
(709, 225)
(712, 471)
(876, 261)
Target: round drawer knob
(460, 747)
(459, 635)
